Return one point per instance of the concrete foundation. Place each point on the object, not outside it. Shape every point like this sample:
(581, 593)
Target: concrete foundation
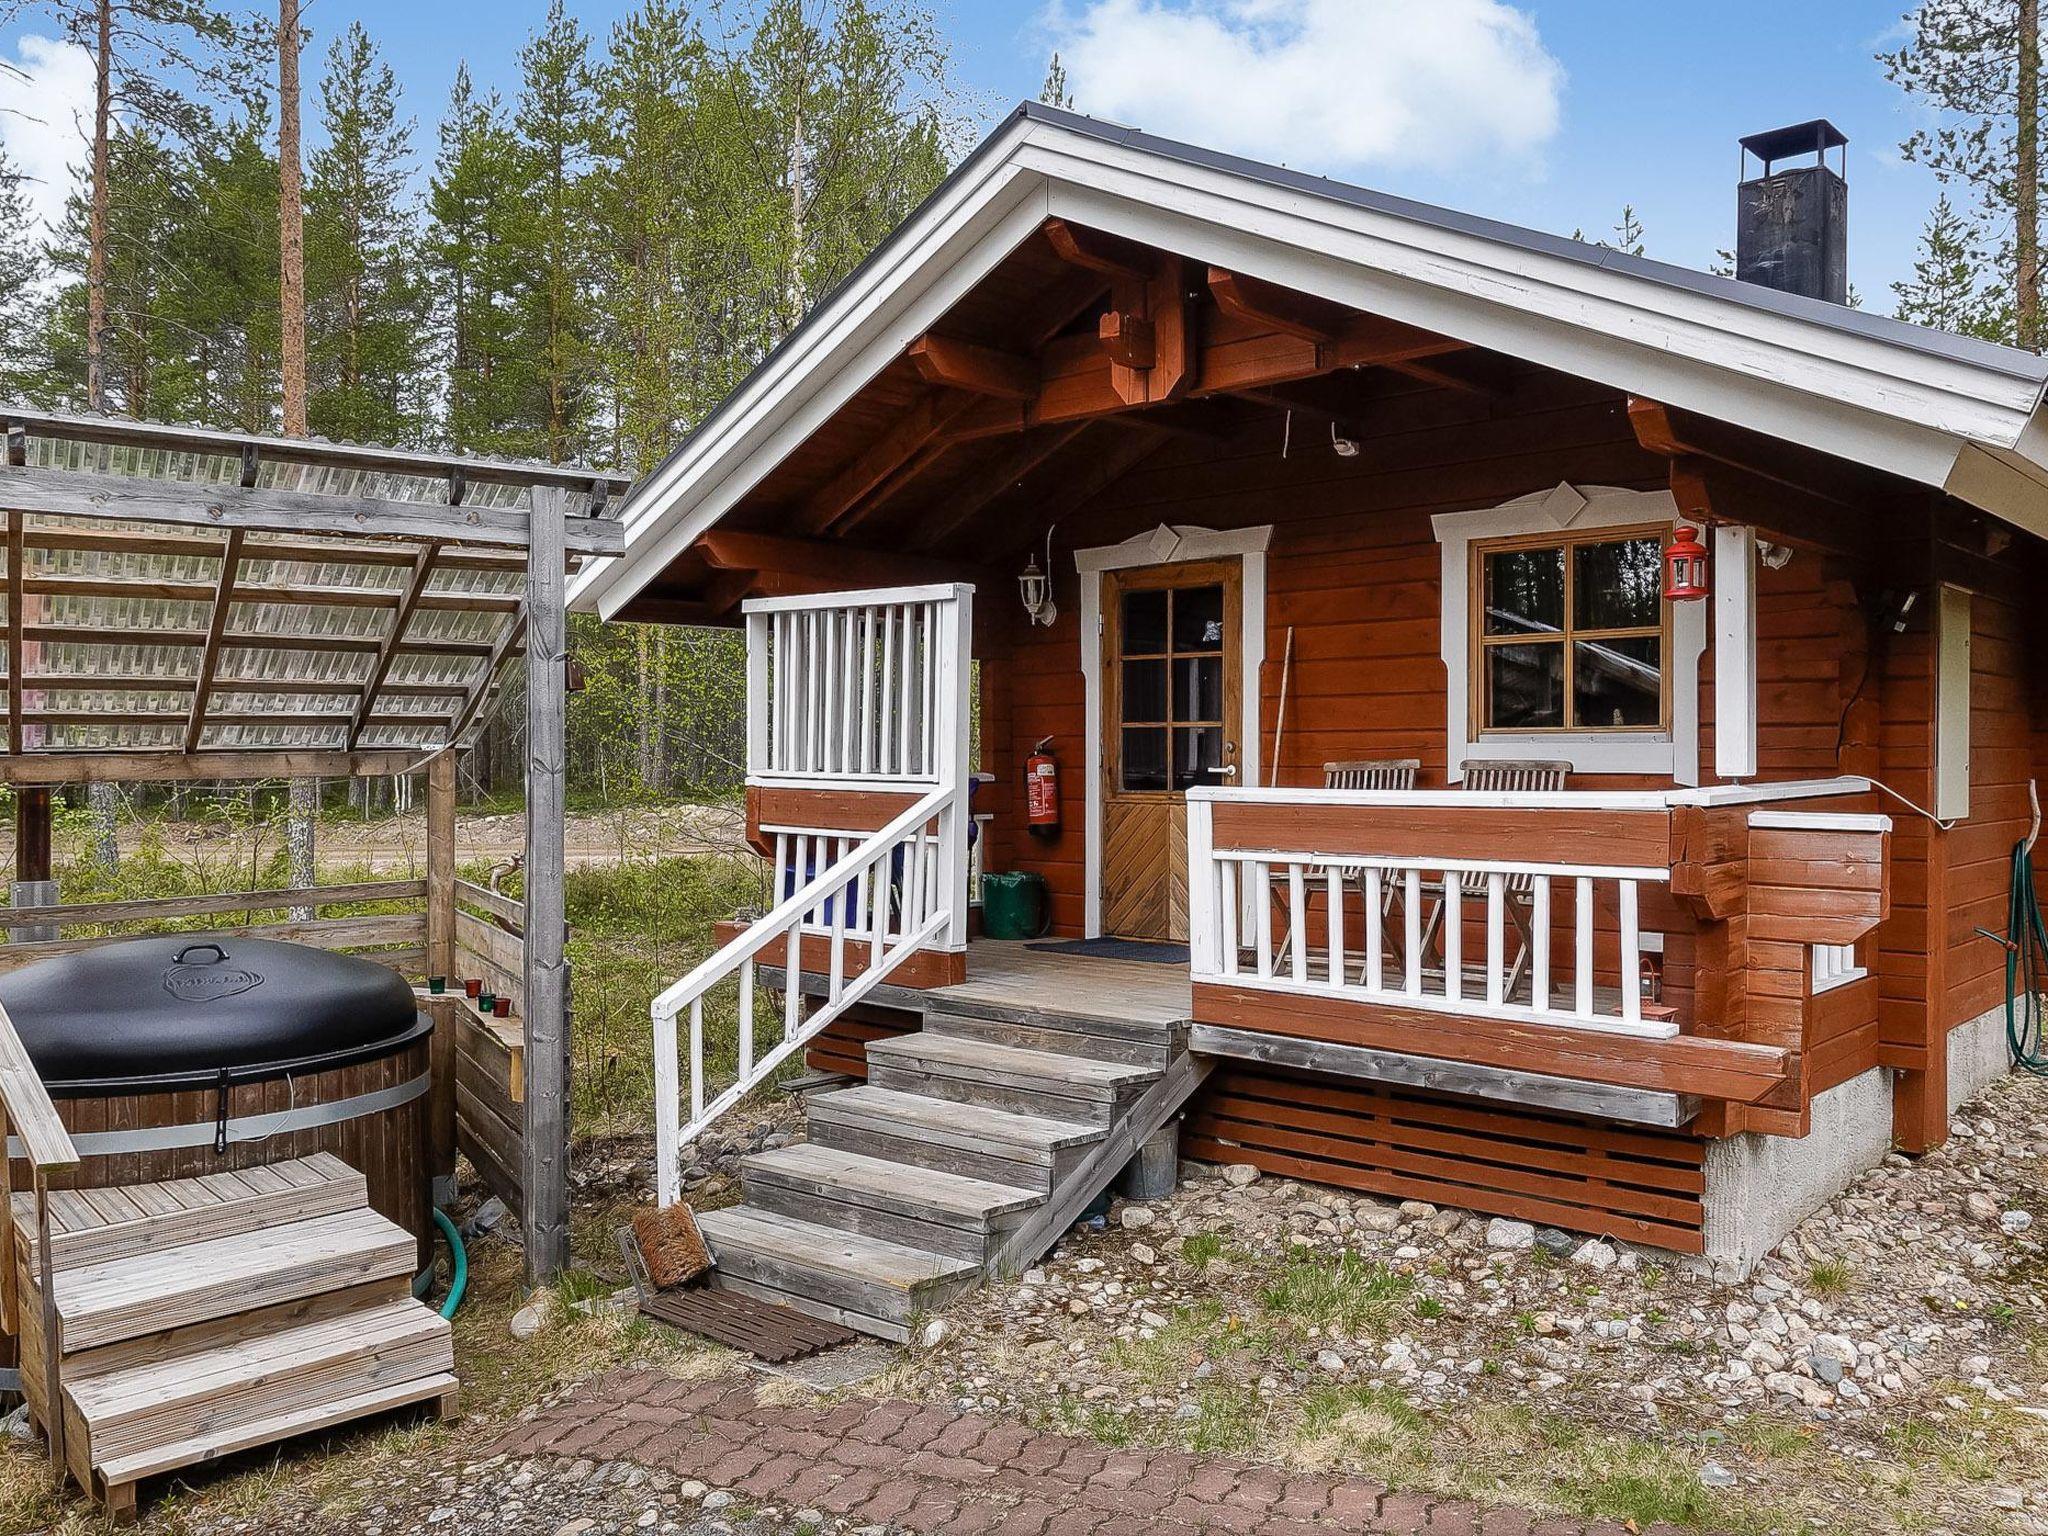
(1977, 1057)
(1759, 1187)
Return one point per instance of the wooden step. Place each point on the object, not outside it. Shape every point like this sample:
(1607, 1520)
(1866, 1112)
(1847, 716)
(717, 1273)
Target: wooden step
(88, 1226)
(1057, 1085)
(440, 1387)
(196, 1383)
(142, 1293)
(1135, 1042)
(1023, 1151)
(942, 1213)
(863, 1282)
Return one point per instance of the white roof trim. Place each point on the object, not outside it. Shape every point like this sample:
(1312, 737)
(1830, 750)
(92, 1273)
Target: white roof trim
(1961, 420)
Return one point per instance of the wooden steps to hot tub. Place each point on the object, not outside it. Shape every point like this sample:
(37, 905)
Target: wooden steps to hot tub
(204, 1316)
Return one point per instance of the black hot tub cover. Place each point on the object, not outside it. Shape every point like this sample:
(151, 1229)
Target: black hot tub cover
(180, 1010)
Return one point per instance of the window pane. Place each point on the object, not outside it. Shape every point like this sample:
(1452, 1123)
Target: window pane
(1198, 688)
(1145, 690)
(1144, 765)
(1618, 682)
(1524, 686)
(1197, 754)
(1198, 619)
(1618, 585)
(1144, 623)
(1525, 591)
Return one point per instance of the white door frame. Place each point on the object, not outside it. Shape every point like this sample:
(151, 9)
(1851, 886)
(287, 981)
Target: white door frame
(1166, 545)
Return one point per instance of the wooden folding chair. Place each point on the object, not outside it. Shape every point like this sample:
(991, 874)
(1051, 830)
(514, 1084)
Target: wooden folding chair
(1358, 774)
(1508, 776)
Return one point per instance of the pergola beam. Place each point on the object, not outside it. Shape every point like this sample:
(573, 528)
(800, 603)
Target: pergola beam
(69, 493)
(216, 627)
(422, 573)
(158, 765)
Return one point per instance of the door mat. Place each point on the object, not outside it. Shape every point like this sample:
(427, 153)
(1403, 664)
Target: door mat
(761, 1328)
(1116, 949)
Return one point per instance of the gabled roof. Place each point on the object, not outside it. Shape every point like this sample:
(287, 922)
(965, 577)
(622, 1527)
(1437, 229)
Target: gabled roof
(1941, 410)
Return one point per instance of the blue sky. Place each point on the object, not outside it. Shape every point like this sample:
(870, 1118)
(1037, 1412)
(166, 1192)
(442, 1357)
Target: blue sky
(1548, 114)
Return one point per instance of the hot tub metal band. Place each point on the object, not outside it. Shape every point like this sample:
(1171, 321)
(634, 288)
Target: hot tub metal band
(163, 1138)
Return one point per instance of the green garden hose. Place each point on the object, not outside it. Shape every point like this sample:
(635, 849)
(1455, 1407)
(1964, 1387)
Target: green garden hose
(2026, 966)
(458, 1263)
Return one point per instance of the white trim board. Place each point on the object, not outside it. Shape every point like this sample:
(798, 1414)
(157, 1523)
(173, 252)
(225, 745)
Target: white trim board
(1567, 509)
(1961, 417)
(1164, 545)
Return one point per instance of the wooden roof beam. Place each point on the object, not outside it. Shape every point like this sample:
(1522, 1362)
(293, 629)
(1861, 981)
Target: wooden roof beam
(921, 428)
(1111, 255)
(846, 565)
(967, 365)
(1005, 472)
(1257, 302)
(422, 573)
(1761, 484)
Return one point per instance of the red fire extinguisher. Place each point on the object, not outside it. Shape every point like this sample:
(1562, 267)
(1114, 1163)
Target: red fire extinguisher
(1042, 791)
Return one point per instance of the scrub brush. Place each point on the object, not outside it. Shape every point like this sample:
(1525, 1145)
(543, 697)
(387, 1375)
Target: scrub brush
(670, 1245)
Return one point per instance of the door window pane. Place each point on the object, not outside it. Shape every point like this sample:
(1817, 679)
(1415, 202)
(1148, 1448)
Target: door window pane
(1524, 686)
(1144, 757)
(1198, 688)
(1145, 690)
(1618, 682)
(1197, 753)
(1144, 623)
(1617, 585)
(1198, 619)
(1525, 591)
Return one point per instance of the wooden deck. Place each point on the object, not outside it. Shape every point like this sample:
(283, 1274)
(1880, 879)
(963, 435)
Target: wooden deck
(1005, 976)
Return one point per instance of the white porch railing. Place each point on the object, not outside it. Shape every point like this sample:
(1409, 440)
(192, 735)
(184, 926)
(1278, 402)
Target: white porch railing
(847, 691)
(1454, 933)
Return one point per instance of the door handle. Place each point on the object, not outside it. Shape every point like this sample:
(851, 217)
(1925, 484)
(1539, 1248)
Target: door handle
(1227, 771)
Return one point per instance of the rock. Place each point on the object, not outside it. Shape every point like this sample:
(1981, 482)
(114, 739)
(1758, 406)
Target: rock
(1144, 1254)
(1714, 1475)
(1329, 1360)
(1980, 1206)
(1136, 1218)
(1595, 1253)
(717, 1498)
(1417, 1210)
(1512, 1235)
(2015, 1222)
(1804, 1388)
(576, 1527)
(1554, 1242)
(934, 1333)
(1237, 1175)
(691, 1489)
(1378, 1218)
(530, 1319)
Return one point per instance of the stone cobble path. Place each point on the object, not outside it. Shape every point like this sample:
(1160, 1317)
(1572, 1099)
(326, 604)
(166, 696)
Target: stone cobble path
(931, 1470)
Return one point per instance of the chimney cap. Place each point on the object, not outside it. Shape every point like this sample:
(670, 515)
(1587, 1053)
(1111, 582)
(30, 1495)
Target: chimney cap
(1812, 138)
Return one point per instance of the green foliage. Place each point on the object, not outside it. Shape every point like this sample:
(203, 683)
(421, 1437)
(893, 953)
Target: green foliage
(1054, 93)
(1948, 289)
(1350, 1292)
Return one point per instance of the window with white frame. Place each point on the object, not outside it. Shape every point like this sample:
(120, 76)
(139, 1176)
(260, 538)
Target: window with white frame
(1834, 965)
(1557, 643)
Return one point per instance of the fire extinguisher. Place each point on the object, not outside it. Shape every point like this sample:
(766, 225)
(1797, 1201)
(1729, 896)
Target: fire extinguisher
(1042, 791)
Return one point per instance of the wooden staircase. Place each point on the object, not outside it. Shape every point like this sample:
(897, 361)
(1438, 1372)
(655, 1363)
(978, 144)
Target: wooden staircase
(204, 1316)
(974, 1145)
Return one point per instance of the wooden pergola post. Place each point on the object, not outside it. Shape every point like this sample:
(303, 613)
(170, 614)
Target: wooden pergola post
(441, 1134)
(34, 882)
(545, 1147)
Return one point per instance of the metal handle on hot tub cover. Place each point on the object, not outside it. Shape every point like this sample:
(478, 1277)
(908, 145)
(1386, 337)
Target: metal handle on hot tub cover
(219, 954)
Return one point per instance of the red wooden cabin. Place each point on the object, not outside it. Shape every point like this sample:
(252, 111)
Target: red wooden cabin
(1668, 925)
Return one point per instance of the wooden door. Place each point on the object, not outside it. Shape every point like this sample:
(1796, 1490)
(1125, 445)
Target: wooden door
(1171, 715)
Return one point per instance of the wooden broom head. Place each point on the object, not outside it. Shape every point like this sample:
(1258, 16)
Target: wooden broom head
(671, 1246)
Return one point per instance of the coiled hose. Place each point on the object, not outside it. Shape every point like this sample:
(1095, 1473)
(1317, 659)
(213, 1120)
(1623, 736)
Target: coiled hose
(2026, 965)
(458, 1264)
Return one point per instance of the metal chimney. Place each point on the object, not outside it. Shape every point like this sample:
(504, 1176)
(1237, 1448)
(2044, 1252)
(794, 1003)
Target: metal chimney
(1792, 225)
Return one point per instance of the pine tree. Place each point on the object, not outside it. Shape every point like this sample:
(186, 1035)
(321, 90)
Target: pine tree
(473, 200)
(1628, 232)
(555, 125)
(22, 273)
(365, 306)
(1944, 290)
(1054, 92)
(1978, 64)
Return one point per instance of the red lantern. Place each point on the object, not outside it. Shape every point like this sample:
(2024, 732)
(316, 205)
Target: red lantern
(1685, 566)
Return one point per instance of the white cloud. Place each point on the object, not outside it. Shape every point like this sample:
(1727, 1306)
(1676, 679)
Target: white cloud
(45, 113)
(1318, 84)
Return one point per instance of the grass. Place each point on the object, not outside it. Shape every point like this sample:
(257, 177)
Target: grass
(1348, 1292)
(1831, 1277)
(1202, 1248)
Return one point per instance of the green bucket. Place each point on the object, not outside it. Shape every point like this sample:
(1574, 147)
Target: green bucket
(1014, 906)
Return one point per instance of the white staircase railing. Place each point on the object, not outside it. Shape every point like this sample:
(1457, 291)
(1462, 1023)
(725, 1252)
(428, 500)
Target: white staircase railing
(847, 691)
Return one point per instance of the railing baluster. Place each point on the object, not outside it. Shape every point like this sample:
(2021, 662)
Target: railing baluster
(867, 690)
(1539, 943)
(1582, 960)
(1262, 887)
(1375, 929)
(793, 981)
(836, 907)
(809, 761)
(696, 1059)
(668, 1111)
(1226, 913)
(1496, 937)
(1335, 878)
(828, 755)
(885, 740)
(1297, 923)
(906, 722)
(747, 1019)
(1412, 910)
(1631, 955)
(1454, 937)
(931, 688)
